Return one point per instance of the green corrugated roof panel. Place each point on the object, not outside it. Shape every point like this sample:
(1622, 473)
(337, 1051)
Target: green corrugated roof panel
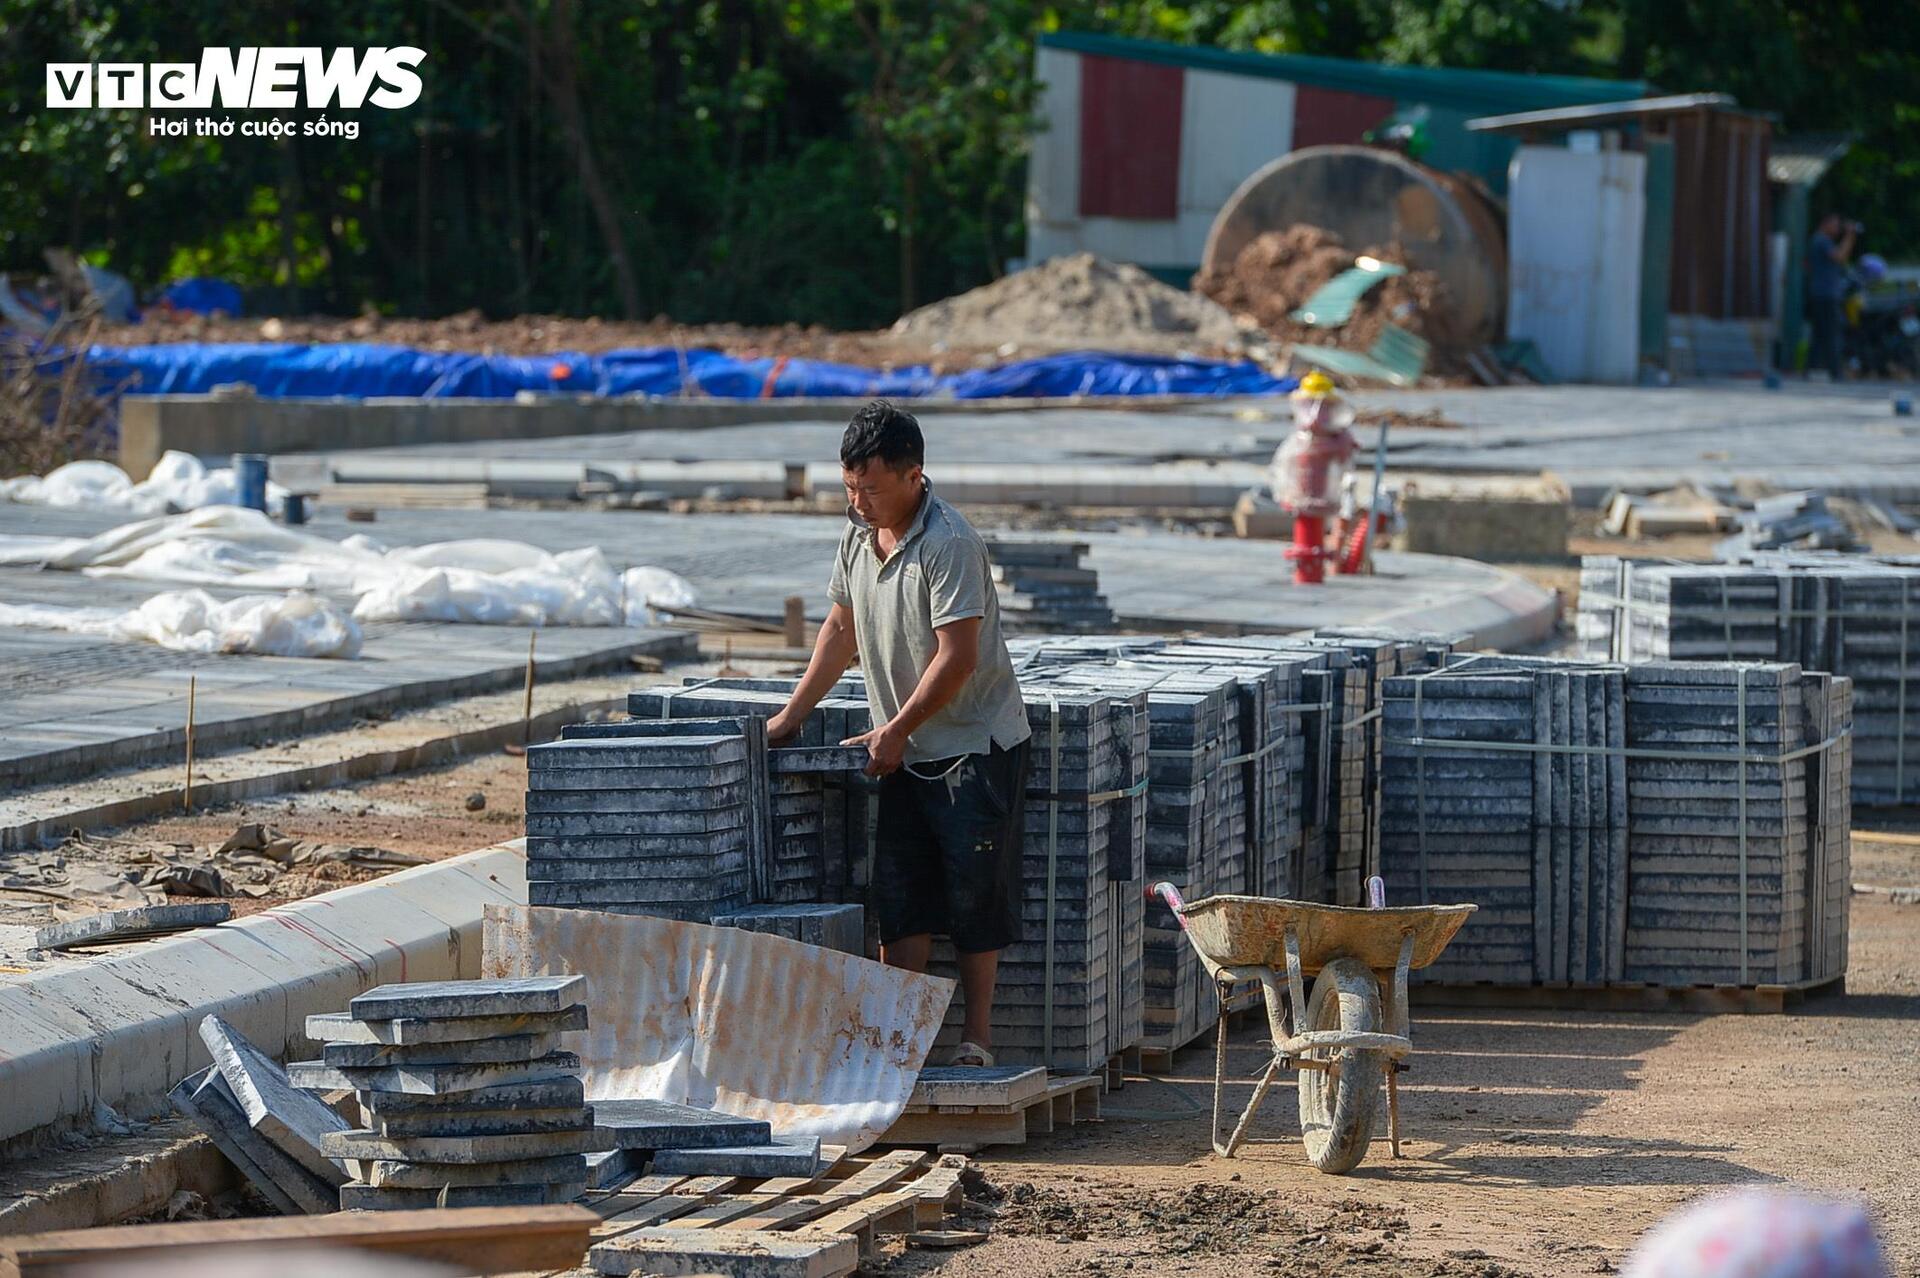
(1475, 91)
(1332, 303)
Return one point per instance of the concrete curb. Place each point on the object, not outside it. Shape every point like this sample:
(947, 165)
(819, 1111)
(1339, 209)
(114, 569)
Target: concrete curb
(122, 1030)
(210, 425)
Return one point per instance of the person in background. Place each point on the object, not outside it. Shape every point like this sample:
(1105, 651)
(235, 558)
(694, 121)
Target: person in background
(1827, 254)
(1762, 1233)
(913, 598)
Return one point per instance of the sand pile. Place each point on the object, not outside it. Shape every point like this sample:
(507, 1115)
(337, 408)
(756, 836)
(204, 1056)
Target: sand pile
(1279, 270)
(1078, 301)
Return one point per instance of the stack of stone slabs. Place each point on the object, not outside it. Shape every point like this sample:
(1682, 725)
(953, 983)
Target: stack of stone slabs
(1188, 715)
(658, 824)
(467, 1098)
(1623, 823)
(1459, 823)
(1068, 994)
(1710, 902)
(819, 843)
(1045, 585)
(1852, 615)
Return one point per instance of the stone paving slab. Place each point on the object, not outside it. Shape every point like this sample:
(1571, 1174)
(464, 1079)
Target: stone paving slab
(1844, 437)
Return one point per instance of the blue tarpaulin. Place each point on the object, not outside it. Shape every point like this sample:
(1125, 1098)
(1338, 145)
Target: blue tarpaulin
(359, 371)
(202, 295)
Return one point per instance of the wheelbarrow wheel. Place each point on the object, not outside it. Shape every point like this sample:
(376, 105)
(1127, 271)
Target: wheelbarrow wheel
(1337, 1104)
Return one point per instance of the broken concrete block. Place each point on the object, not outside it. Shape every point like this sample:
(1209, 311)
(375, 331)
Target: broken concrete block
(362, 1144)
(477, 1051)
(432, 1080)
(428, 999)
(741, 1252)
(384, 1173)
(341, 1027)
(781, 1158)
(373, 1198)
(292, 1118)
(126, 925)
(658, 1124)
(206, 1099)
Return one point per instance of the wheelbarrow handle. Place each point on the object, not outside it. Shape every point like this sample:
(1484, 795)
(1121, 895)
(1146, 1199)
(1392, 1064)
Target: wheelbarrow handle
(1171, 895)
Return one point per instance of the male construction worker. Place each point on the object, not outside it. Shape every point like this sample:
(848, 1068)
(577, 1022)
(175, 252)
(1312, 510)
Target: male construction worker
(912, 596)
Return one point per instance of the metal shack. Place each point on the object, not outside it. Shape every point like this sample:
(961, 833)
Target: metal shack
(1683, 183)
(1142, 142)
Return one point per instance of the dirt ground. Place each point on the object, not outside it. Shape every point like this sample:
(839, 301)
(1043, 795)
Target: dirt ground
(1540, 1143)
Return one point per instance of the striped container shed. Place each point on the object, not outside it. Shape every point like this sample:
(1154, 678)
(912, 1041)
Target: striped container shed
(1142, 142)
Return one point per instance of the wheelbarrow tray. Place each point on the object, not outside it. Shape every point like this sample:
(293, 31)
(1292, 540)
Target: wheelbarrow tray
(1250, 931)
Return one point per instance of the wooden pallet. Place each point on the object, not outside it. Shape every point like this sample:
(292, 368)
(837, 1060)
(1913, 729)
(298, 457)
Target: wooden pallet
(1626, 996)
(785, 1227)
(964, 1129)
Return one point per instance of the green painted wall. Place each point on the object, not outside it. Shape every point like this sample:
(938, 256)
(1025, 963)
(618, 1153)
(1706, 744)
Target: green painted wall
(1656, 251)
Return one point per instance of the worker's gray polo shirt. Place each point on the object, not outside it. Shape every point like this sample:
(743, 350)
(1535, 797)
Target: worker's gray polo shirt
(937, 575)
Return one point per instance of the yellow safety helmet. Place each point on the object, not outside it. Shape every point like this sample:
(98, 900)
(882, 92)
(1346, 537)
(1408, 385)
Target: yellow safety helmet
(1315, 386)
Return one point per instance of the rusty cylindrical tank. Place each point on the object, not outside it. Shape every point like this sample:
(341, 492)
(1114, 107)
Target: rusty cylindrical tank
(1368, 197)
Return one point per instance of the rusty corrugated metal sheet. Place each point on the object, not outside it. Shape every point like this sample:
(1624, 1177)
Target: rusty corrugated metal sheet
(1130, 139)
(1720, 214)
(817, 1042)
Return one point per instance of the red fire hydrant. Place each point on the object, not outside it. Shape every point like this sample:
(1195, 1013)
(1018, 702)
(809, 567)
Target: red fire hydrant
(1308, 469)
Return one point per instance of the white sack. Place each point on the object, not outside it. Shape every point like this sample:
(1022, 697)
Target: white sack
(178, 482)
(291, 625)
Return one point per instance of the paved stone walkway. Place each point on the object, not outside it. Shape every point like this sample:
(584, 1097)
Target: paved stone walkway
(1843, 438)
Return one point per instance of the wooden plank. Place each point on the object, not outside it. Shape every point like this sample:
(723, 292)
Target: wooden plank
(477, 1239)
(689, 1197)
(939, 1190)
(883, 1173)
(644, 1190)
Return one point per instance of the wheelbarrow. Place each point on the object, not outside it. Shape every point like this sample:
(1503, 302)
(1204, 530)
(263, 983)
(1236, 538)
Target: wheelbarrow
(1348, 1034)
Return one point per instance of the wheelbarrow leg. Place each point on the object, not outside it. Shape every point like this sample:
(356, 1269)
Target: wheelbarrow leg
(1233, 1142)
(1393, 1107)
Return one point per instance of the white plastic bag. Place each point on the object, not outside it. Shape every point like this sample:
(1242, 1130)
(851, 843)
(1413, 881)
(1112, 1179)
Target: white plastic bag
(296, 624)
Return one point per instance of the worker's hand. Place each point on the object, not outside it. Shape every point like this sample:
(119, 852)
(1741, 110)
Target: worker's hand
(886, 748)
(782, 729)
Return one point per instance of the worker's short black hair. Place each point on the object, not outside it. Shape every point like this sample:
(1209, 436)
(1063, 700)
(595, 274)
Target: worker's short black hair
(882, 430)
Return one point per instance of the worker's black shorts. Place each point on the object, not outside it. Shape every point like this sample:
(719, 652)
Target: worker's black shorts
(946, 857)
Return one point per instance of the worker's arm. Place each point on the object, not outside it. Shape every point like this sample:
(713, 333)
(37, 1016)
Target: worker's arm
(834, 649)
(1844, 249)
(956, 653)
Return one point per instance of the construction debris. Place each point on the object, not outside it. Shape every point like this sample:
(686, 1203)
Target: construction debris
(1791, 521)
(137, 923)
(1279, 272)
(479, 1119)
(1077, 301)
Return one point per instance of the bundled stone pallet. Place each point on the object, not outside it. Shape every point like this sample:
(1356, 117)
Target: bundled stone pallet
(662, 823)
(466, 1096)
(1663, 824)
(1850, 615)
(819, 848)
(1043, 585)
(1069, 994)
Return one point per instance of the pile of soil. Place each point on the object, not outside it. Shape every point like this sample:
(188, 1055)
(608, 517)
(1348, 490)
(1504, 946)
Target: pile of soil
(1065, 304)
(1279, 270)
(1076, 301)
